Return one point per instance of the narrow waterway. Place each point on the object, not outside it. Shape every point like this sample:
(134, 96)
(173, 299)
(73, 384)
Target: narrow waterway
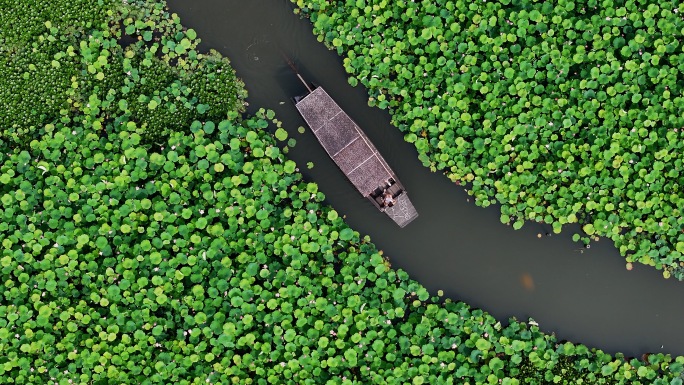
(582, 295)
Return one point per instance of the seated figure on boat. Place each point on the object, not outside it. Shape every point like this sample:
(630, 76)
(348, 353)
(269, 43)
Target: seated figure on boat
(388, 199)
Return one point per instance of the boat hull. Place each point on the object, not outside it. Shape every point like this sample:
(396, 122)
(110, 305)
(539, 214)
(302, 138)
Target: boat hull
(355, 155)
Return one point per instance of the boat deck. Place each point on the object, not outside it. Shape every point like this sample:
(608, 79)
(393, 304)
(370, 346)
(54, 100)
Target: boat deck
(403, 211)
(352, 151)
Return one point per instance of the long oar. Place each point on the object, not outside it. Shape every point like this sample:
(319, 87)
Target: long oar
(294, 69)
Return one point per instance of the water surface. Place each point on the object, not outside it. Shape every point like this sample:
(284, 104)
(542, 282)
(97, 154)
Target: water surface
(580, 295)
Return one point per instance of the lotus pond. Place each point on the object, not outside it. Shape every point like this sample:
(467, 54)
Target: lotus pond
(565, 112)
(456, 247)
(134, 252)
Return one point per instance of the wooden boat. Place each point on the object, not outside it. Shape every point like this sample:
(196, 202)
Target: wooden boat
(355, 155)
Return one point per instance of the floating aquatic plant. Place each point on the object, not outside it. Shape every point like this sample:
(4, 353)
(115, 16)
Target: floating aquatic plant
(204, 257)
(565, 112)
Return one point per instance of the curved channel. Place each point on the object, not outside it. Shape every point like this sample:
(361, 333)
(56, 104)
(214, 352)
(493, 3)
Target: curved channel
(581, 295)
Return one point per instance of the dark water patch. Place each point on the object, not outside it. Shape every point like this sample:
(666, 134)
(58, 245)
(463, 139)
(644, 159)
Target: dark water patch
(583, 295)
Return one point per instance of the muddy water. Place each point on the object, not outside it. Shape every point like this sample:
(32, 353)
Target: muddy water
(582, 295)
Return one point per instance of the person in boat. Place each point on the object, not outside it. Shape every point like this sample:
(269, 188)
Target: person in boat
(388, 199)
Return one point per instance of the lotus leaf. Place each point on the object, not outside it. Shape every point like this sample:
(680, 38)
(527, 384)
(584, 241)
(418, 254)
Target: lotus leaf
(188, 257)
(594, 86)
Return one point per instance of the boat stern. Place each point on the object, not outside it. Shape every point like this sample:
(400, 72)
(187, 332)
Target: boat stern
(402, 212)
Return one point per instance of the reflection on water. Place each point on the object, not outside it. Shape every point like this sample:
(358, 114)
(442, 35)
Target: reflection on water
(583, 295)
(527, 281)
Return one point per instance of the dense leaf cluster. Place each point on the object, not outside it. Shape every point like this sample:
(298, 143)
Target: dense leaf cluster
(209, 260)
(139, 62)
(168, 82)
(33, 39)
(204, 258)
(562, 112)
